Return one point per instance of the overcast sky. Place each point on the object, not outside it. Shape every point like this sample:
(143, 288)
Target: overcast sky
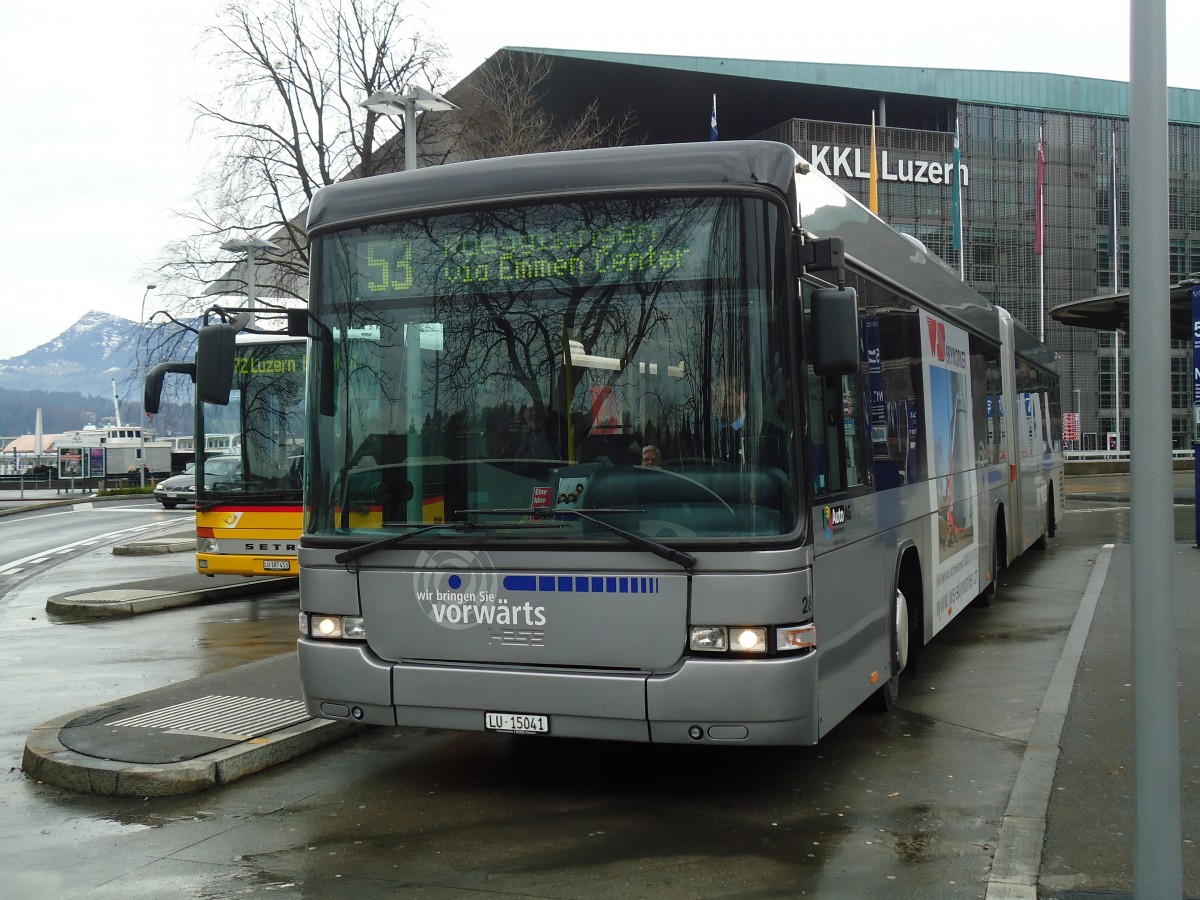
(97, 147)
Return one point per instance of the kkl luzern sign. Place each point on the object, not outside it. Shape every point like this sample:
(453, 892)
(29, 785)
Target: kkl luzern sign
(855, 162)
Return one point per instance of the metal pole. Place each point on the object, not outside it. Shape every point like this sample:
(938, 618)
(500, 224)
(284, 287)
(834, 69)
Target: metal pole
(1079, 424)
(142, 378)
(1158, 864)
(251, 287)
(1196, 404)
(410, 132)
(1117, 373)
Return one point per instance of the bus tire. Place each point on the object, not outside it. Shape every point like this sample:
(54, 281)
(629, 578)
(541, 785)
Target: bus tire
(1040, 543)
(888, 693)
(999, 562)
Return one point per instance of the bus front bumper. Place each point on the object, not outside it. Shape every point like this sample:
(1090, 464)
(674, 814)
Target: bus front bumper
(762, 702)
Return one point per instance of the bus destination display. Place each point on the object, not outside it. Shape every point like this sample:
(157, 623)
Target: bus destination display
(544, 247)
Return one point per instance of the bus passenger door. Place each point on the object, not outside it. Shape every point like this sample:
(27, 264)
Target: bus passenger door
(835, 425)
(850, 606)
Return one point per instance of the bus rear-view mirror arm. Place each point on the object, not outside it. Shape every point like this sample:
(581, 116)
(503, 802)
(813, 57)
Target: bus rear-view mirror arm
(302, 323)
(152, 389)
(834, 338)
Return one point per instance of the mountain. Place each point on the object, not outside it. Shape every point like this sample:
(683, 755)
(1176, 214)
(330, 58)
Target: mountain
(85, 360)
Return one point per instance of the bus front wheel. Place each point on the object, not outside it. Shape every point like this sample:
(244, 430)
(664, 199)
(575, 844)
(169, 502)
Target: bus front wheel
(888, 693)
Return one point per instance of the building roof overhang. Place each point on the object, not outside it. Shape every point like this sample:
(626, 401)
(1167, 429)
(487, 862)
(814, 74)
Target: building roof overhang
(1109, 312)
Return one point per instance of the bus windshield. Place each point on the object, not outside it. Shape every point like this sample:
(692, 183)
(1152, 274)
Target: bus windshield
(628, 359)
(264, 458)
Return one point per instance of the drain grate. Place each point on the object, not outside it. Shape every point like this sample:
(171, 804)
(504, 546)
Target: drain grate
(217, 716)
(115, 595)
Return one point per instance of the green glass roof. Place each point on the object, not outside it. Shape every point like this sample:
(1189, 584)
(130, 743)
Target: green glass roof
(1027, 90)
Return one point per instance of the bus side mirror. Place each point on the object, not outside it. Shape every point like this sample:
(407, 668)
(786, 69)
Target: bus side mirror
(297, 323)
(152, 389)
(834, 331)
(214, 363)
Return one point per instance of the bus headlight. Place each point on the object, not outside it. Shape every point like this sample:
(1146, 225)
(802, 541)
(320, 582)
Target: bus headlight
(732, 638)
(749, 640)
(752, 638)
(333, 628)
(207, 545)
(709, 638)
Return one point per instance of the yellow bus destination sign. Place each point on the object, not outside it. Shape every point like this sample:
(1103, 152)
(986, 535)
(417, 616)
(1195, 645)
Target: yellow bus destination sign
(266, 364)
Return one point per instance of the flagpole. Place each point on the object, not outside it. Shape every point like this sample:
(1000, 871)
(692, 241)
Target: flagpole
(957, 201)
(873, 190)
(1041, 227)
(1114, 213)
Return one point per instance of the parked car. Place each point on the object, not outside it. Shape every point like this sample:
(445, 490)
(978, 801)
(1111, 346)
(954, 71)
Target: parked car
(181, 488)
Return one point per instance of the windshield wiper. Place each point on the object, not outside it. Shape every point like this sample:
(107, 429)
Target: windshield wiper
(392, 540)
(685, 560)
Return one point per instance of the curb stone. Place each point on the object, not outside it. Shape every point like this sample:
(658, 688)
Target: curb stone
(47, 760)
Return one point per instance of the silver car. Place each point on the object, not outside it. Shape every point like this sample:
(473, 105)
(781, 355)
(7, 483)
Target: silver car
(181, 488)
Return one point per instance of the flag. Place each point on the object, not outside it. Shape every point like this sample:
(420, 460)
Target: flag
(955, 195)
(712, 135)
(1114, 215)
(1041, 186)
(874, 189)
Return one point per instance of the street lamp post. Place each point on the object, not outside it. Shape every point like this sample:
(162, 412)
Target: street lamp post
(142, 376)
(250, 246)
(389, 103)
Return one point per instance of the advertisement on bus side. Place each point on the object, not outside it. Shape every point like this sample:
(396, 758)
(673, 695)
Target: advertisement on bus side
(946, 365)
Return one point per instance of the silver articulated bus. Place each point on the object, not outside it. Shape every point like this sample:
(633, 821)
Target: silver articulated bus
(663, 443)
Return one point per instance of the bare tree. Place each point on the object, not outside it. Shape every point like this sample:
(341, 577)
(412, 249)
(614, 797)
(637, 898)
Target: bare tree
(504, 113)
(288, 121)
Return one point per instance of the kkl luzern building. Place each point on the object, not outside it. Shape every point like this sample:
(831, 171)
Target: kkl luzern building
(825, 112)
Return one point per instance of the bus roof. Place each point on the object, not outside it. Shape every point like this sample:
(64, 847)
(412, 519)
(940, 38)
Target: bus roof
(537, 175)
(824, 208)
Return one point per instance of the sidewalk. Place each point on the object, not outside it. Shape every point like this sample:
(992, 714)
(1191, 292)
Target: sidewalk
(15, 500)
(185, 737)
(1115, 488)
(1089, 825)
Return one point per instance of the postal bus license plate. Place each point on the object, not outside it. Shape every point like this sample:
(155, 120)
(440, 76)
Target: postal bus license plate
(516, 723)
(277, 565)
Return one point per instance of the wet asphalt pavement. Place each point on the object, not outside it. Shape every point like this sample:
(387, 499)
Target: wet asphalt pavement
(969, 799)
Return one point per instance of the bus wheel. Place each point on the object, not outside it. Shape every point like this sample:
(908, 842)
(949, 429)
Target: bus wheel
(1040, 543)
(886, 695)
(992, 593)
